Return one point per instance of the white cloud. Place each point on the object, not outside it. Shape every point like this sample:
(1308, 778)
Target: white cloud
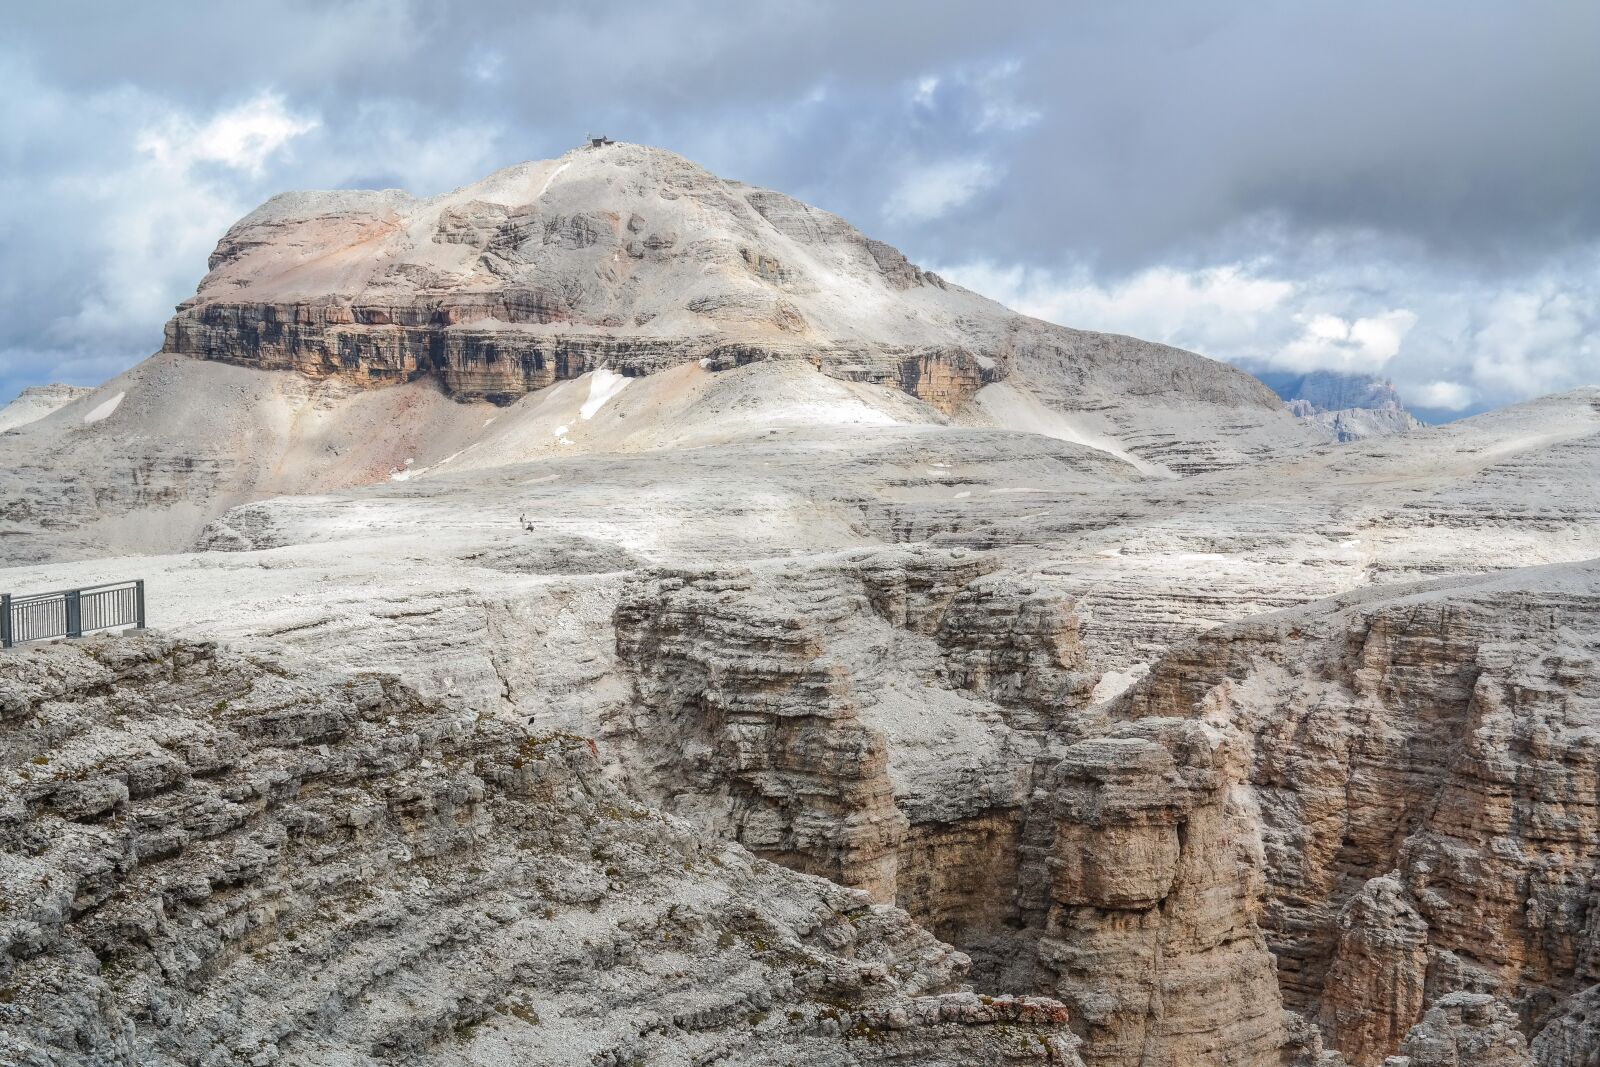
(163, 209)
(487, 66)
(1236, 312)
(1448, 396)
(243, 137)
(981, 99)
(1362, 346)
(1215, 309)
(999, 108)
(1476, 349)
(932, 191)
(1457, 345)
(1530, 339)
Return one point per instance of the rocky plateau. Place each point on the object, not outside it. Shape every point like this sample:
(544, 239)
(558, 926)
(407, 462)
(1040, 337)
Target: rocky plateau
(608, 614)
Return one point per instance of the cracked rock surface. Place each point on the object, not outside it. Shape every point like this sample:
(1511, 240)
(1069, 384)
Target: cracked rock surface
(210, 859)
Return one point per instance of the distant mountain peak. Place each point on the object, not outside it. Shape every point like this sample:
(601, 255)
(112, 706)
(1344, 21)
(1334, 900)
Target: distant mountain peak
(1348, 407)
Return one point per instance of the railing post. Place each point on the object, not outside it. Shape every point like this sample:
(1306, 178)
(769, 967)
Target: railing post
(5, 620)
(138, 604)
(74, 613)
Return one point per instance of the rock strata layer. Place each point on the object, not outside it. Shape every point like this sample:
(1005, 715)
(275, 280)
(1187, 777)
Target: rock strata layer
(210, 859)
(1419, 773)
(870, 721)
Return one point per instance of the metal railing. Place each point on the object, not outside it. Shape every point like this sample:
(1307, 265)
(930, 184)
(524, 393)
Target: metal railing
(70, 612)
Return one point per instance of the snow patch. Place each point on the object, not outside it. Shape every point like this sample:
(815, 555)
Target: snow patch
(1114, 683)
(603, 385)
(104, 410)
(553, 176)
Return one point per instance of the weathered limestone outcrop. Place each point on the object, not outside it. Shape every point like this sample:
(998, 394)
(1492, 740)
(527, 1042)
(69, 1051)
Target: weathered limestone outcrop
(1464, 1030)
(1151, 933)
(872, 720)
(1421, 771)
(208, 858)
(752, 719)
(1570, 1037)
(1377, 979)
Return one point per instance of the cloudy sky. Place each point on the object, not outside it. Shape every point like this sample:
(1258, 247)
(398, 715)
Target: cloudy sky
(1404, 188)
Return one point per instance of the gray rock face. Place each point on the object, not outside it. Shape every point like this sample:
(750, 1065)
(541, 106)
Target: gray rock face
(1571, 1037)
(33, 404)
(1348, 407)
(211, 859)
(1005, 630)
(1151, 931)
(872, 722)
(1358, 424)
(1464, 1029)
(1419, 771)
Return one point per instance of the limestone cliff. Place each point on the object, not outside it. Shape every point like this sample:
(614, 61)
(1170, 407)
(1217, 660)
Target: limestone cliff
(208, 858)
(871, 721)
(1420, 773)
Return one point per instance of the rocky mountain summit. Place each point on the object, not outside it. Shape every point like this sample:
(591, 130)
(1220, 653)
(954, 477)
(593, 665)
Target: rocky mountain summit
(420, 329)
(609, 614)
(1350, 407)
(634, 259)
(1325, 390)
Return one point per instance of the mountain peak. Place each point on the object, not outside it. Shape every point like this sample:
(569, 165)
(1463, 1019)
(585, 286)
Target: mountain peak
(634, 259)
(624, 239)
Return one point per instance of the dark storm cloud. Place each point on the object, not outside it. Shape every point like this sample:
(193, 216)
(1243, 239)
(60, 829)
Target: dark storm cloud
(1185, 170)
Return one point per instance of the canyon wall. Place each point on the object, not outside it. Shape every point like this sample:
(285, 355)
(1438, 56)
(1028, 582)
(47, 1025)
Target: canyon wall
(1313, 827)
(853, 718)
(1420, 771)
(210, 858)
